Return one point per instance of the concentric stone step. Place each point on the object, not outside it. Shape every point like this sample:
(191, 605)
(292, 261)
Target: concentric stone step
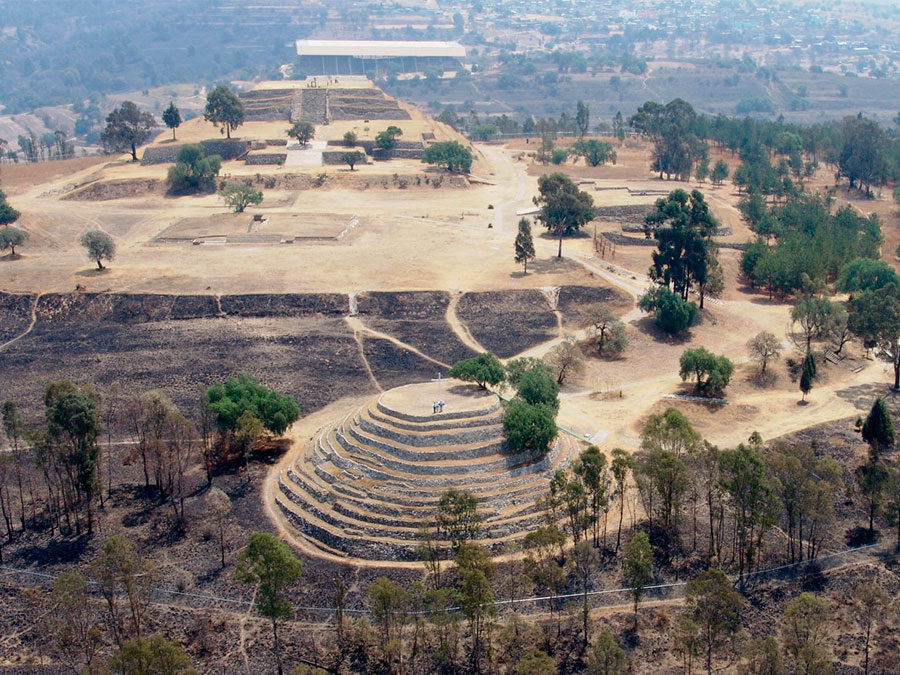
(366, 485)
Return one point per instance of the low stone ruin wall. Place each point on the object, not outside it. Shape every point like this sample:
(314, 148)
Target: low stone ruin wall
(268, 158)
(168, 154)
(332, 157)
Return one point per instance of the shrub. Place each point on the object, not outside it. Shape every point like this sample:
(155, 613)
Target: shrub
(673, 314)
(529, 427)
(239, 196)
(194, 171)
(228, 400)
(449, 154)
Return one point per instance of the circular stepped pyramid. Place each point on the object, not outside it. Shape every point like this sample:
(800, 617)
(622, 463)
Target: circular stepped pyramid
(364, 486)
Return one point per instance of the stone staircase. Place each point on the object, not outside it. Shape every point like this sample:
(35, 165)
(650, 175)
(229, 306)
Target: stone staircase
(311, 107)
(366, 485)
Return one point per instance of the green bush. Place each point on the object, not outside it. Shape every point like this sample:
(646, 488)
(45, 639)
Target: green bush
(230, 399)
(673, 314)
(449, 154)
(537, 386)
(529, 427)
(194, 171)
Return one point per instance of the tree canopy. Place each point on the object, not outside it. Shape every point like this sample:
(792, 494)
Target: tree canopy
(171, 117)
(224, 108)
(8, 215)
(878, 429)
(683, 226)
(524, 244)
(303, 132)
(194, 171)
(241, 393)
(126, 128)
(710, 373)
(673, 314)
(387, 139)
(595, 153)
(268, 565)
(874, 316)
(865, 274)
(10, 237)
(240, 195)
(484, 369)
(449, 154)
(671, 129)
(564, 208)
(99, 245)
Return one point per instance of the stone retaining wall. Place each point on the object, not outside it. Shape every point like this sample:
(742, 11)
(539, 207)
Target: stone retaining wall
(227, 149)
(444, 416)
(458, 436)
(266, 158)
(335, 157)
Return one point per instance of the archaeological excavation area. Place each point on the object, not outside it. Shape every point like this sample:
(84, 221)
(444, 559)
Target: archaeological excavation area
(368, 484)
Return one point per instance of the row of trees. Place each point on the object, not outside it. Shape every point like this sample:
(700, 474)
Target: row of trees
(128, 126)
(10, 237)
(742, 493)
(64, 449)
(860, 149)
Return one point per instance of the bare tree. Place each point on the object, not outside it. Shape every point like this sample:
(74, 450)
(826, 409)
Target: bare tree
(112, 421)
(585, 560)
(207, 429)
(869, 604)
(220, 506)
(764, 347)
(608, 331)
(566, 360)
(12, 425)
(72, 622)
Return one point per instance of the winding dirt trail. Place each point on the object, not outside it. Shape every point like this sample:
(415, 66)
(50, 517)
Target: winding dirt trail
(361, 328)
(365, 361)
(30, 326)
(458, 327)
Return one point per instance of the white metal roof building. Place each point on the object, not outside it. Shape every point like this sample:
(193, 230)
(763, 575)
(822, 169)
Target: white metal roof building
(381, 49)
(358, 57)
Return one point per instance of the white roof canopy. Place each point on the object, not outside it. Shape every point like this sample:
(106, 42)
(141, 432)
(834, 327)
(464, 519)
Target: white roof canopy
(374, 49)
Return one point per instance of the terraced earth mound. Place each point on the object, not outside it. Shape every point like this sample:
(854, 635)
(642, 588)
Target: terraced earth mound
(366, 485)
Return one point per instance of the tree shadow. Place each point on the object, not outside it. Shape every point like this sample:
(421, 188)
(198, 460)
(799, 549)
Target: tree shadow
(761, 380)
(862, 396)
(552, 265)
(10, 257)
(56, 551)
(814, 581)
(860, 536)
(647, 325)
(551, 236)
(92, 272)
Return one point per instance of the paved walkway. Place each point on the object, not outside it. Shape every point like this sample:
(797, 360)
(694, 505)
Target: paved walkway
(308, 155)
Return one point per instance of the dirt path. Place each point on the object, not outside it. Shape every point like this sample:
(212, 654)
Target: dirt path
(362, 357)
(359, 327)
(30, 326)
(500, 161)
(458, 327)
